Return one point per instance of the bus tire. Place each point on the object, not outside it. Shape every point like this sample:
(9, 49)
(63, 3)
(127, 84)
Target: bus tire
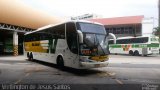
(136, 53)
(60, 62)
(131, 53)
(30, 56)
(145, 55)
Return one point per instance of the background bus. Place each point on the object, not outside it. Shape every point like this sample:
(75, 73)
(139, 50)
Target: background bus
(144, 45)
(77, 44)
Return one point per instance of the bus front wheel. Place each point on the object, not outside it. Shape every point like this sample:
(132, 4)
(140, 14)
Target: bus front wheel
(60, 62)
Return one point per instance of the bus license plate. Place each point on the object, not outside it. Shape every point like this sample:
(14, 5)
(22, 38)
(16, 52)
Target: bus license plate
(97, 65)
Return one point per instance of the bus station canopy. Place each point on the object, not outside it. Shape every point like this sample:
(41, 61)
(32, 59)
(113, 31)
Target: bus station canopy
(19, 14)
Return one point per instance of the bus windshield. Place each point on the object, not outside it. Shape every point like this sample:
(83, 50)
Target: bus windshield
(92, 28)
(95, 39)
(154, 40)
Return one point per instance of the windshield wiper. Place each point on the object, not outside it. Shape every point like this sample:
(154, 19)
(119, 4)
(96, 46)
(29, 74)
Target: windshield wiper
(100, 45)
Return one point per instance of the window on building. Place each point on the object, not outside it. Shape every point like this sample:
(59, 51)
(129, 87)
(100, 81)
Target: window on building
(114, 31)
(126, 31)
(107, 30)
(122, 30)
(118, 31)
(130, 30)
(111, 31)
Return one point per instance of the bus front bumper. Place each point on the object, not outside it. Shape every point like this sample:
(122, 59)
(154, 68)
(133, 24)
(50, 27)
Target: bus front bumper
(94, 64)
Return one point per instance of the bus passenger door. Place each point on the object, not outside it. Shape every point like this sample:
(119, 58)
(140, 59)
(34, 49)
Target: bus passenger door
(72, 50)
(144, 51)
(72, 44)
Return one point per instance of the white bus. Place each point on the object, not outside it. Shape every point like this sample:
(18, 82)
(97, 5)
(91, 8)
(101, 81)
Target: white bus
(76, 44)
(143, 45)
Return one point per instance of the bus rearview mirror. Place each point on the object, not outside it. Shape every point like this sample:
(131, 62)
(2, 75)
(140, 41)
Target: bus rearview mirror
(80, 35)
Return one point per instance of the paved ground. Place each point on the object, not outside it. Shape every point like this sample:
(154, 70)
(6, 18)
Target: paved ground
(122, 69)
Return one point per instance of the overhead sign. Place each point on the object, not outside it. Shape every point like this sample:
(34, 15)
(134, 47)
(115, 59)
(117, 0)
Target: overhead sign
(85, 16)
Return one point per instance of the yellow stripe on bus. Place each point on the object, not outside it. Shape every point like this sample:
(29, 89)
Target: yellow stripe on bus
(35, 46)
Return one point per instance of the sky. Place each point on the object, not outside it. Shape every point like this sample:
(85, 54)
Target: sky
(104, 8)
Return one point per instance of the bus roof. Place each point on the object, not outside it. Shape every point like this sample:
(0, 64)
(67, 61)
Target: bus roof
(125, 37)
(129, 37)
(52, 25)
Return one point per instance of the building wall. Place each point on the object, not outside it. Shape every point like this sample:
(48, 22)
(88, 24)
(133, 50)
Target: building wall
(140, 29)
(7, 42)
(125, 30)
(147, 26)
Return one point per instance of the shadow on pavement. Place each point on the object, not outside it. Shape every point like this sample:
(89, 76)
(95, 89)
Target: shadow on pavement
(78, 72)
(127, 55)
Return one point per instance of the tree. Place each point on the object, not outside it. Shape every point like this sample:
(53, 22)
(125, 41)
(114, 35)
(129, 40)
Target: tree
(157, 32)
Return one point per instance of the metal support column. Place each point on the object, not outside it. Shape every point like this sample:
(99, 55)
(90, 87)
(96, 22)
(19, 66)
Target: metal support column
(15, 44)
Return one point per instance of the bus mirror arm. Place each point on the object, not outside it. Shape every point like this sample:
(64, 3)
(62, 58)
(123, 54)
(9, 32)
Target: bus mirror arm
(80, 35)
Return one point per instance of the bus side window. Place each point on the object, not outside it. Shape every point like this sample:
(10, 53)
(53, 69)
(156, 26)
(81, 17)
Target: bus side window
(27, 38)
(110, 42)
(53, 44)
(54, 34)
(121, 41)
(61, 31)
(145, 40)
(117, 42)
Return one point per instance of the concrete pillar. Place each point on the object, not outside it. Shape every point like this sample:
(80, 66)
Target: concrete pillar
(15, 44)
(159, 12)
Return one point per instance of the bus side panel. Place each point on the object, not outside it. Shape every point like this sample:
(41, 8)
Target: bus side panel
(46, 57)
(145, 51)
(40, 50)
(124, 49)
(70, 59)
(62, 49)
(119, 49)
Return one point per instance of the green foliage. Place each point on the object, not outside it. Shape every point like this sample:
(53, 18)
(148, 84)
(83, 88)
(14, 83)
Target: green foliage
(157, 32)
